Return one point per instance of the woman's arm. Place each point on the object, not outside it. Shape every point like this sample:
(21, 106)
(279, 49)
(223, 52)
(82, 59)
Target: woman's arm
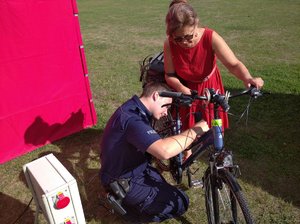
(172, 81)
(230, 61)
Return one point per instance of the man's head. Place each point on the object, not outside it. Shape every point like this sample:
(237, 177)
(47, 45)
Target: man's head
(151, 99)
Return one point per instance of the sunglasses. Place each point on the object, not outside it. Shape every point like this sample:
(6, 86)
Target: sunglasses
(187, 37)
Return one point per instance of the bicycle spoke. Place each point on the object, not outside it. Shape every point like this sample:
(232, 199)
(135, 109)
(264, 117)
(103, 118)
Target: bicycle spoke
(229, 204)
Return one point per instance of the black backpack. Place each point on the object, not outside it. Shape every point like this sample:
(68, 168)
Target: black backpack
(152, 69)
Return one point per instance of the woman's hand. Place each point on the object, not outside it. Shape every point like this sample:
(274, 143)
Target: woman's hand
(257, 82)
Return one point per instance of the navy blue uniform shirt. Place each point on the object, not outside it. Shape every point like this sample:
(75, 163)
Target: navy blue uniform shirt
(125, 140)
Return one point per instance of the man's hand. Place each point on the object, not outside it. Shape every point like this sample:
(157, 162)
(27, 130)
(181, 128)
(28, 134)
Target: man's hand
(200, 127)
(187, 154)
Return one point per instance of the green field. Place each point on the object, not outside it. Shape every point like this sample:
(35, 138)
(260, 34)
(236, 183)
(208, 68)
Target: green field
(117, 34)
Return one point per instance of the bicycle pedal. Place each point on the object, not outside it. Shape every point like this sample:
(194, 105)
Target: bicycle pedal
(197, 183)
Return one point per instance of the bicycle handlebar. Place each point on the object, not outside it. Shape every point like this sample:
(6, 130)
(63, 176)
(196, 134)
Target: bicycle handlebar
(211, 96)
(171, 94)
(252, 91)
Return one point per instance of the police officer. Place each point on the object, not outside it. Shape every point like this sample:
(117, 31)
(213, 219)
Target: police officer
(127, 141)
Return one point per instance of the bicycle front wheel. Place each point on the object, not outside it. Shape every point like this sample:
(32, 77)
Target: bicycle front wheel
(224, 199)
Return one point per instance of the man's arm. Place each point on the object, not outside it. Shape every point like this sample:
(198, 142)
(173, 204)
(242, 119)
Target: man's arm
(171, 146)
(232, 63)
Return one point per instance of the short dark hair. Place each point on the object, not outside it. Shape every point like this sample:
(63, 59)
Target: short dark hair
(151, 87)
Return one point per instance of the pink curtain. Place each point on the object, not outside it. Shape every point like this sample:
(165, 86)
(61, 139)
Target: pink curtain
(44, 86)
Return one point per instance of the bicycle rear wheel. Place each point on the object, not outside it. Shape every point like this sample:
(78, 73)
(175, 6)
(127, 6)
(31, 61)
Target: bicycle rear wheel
(224, 199)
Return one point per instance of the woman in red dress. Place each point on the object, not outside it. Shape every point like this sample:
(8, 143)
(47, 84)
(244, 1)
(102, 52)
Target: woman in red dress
(190, 60)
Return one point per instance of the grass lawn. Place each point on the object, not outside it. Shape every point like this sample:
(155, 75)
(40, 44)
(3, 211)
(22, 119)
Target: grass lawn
(264, 34)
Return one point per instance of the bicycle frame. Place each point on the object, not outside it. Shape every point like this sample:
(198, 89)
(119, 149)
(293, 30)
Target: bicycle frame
(214, 137)
(224, 199)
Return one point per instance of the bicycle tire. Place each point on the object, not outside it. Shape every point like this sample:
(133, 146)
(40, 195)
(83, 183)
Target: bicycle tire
(224, 199)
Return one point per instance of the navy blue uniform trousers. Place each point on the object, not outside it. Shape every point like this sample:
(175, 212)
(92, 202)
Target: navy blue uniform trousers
(152, 199)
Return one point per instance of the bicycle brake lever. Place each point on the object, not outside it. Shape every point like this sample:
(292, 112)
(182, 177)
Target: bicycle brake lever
(254, 92)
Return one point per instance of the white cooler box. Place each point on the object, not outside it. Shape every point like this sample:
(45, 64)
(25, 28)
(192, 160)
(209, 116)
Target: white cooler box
(54, 190)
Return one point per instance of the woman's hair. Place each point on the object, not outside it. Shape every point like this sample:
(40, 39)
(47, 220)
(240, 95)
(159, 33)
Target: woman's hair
(180, 14)
(151, 87)
(177, 1)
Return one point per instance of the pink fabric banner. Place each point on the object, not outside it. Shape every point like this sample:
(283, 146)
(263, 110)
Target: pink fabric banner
(44, 86)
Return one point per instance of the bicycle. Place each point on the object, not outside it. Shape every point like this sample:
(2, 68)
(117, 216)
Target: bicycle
(224, 199)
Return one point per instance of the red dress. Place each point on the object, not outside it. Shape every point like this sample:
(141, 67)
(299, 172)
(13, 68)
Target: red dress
(197, 69)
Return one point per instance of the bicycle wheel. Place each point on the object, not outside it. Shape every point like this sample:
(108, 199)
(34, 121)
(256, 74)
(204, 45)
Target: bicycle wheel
(224, 199)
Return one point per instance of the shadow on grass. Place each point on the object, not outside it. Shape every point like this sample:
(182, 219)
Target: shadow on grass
(267, 148)
(9, 204)
(79, 153)
(267, 151)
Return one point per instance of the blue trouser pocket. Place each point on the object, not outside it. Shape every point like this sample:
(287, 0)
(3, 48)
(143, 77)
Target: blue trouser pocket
(153, 199)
